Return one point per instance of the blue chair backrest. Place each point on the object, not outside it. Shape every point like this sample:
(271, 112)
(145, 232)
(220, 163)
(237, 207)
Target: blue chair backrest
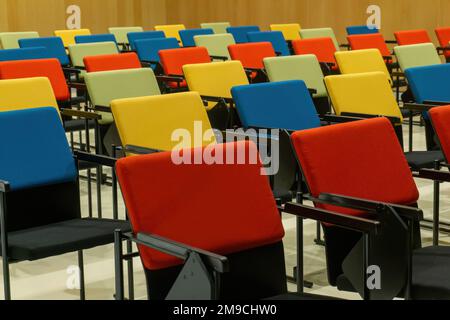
(240, 33)
(24, 54)
(107, 37)
(148, 50)
(354, 30)
(278, 105)
(187, 36)
(53, 45)
(275, 37)
(134, 36)
(34, 150)
(430, 83)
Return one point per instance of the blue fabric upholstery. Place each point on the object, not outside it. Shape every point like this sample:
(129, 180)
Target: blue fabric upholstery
(240, 33)
(34, 150)
(187, 36)
(24, 54)
(148, 49)
(134, 36)
(277, 105)
(353, 30)
(430, 83)
(107, 37)
(54, 46)
(275, 37)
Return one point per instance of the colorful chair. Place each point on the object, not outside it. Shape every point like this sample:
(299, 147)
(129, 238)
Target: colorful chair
(148, 50)
(409, 37)
(135, 36)
(171, 31)
(111, 62)
(216, 44)
(94, 38)
(291, 31)
(323, 48)
(187, 36)
(443, 35)
(416, 55)
(24, 54)
(10, 40)
(78, 52)
(68, 36)
(240, 33)
(53, 45)
(320, 33)
(217, 27)
(121, 33)
(352, 30)
(276, 38)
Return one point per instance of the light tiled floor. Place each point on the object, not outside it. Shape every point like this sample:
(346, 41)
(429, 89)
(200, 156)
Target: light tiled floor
(53, 278)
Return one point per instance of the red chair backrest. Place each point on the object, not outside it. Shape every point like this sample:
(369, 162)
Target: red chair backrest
(173, 60)
(111, 62)
(252, 54)
(440, 116)
(408, 37)
(359, 159)
(443, 35)
(323, 48)
(49, 68)
(199, 215)
(369, 41)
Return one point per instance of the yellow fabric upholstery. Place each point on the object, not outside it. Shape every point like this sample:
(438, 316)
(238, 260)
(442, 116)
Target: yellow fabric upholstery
(18, 94)
(215, 79)
(361, 61)
(171, 31)
(68, 36)
(364, 93)
(291, 31)
(151, 122)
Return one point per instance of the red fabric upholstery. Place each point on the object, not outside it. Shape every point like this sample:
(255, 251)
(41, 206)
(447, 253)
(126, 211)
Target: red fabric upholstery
(443, 35)
(220, 208)
(361, 159)
(440, 116)
(109, 62)
(50, 68)
(411, 37)
(369, 41)
(252, 54)
(323, 48)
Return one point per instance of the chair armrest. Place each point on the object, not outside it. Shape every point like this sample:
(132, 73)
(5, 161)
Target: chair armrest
(221, 58)
(419, 106)
(140, 150)
(344, 46)
(4, 186)
(312, 91)
(391, 41)
(95, 159)
(368, 205)
(150, 62)
(102, 108)
(341, 220)
(182, 251)
(81, 114)
(77, 85)
(217, 99)
(431, 174)
(437, 103)
(170, 78)
(393, 120)
(339, 119)
(74, 69)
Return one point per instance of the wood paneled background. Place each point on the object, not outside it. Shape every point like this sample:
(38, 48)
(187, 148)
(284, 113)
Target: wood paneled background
(47, 15)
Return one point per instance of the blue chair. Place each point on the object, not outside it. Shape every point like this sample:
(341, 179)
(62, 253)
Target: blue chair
(107, 37)
(148, 50)
(355, 30)
(39, 182)
(24, 54)
(240, 33)
(187, 36)
(275, 37)
(285, 105)
(134, 36)
(53, 45)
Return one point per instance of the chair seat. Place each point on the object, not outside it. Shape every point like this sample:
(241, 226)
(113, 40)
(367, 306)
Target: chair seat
(423, 159)
(64, 237)
(431, 274)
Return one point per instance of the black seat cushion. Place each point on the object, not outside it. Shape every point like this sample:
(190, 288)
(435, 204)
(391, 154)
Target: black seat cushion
(63, 237)
(431, 274)
(423, 159)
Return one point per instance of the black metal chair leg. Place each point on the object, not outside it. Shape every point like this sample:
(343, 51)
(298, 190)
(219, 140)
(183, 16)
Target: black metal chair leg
(4, 246)
(89, 182)
(81, 270)
(130, 271)
(436, 207)
(99, 177)
(6, 278)
(118, 265)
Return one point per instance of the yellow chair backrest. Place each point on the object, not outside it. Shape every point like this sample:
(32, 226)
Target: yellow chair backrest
(362, 61)
(215, 79)
(26, 93)
(167, 122)
(291, 31)
(171, 31)
(68, 36)
(365, 93)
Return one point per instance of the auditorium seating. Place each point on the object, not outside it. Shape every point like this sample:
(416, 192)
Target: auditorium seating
(320, 33)
(121, 33)
(443, 35)
(217, 27)
(24, 54)
(171, 31)
(370, 41)
(416, 55)
(148, 50)
(409, 37)
(10, 40)
(135, 36)
(68, 36)
(352, 30)
(216, 44)
(53, 45)
(78, 52)
(323, 48)
(94, 38)
(276, 38)
(187, 36)
(240, 33)
(111, 62)
(290, 31)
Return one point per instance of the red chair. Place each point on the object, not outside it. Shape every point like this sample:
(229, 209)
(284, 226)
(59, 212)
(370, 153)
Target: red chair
(408, 37)
(323, 48)
(111, 62)
(173, 60)
(252, 56)
(443, 35)
(369, 41)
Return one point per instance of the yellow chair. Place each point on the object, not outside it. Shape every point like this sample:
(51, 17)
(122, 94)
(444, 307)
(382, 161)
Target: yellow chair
(215, 79)
(167, 122)
(171, 31)
(68, 36)
(291, 31)
(18, 94)
(363, 93)
(362, 61)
